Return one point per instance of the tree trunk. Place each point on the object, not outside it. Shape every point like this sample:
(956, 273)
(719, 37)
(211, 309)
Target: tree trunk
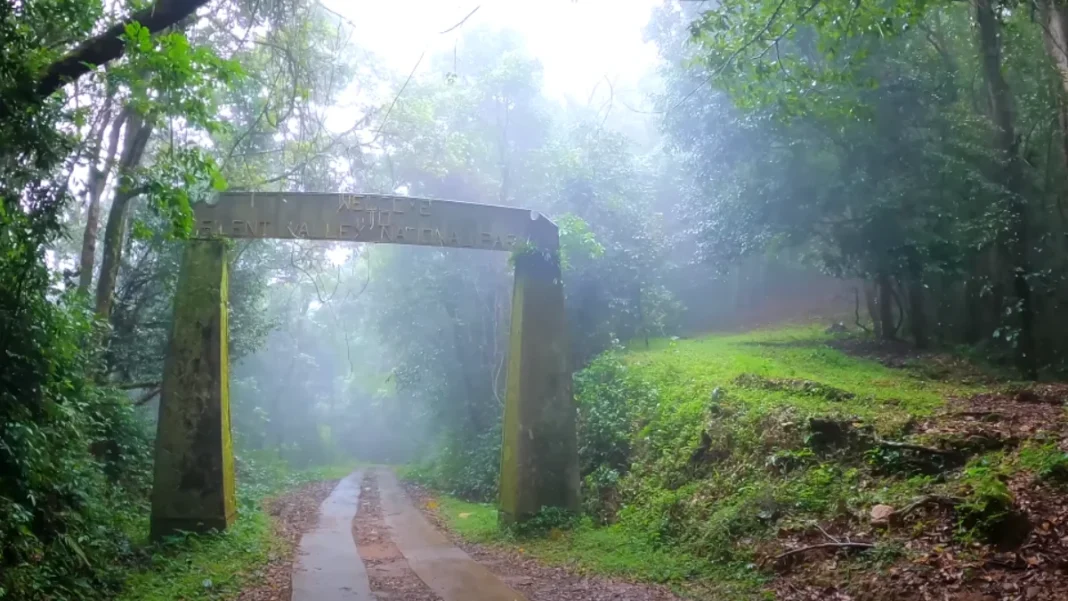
(133, 148)
(973, 303)
(462, 354)
(1054, 20)
(644, 331)
(886, 306)
(870, 301)
(917, 311)
(98, 179)
(917, 314)
(1015, 240)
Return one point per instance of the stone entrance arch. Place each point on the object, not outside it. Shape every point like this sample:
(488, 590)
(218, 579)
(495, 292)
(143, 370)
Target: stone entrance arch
(193, 488)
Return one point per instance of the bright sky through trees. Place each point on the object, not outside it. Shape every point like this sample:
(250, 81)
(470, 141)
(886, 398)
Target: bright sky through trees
(578, 42)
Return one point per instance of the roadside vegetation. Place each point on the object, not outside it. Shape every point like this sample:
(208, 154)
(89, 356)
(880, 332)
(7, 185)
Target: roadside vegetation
(211, 567)
(222, 565)
(729, 464)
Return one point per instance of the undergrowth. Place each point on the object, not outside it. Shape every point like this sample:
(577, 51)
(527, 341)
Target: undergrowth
(611, 550)
(221, 565)
(463, 466)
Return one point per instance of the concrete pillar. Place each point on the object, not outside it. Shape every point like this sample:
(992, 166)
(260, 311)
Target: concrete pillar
(539, 455)
(193, 487)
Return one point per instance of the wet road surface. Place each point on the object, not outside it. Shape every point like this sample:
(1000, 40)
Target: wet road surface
(329, 566)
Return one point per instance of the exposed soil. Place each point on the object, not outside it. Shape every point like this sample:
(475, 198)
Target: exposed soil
(931, 563)
(933, 365)
(293, 514)
(537, 581)
(391, 577)
(995, 420)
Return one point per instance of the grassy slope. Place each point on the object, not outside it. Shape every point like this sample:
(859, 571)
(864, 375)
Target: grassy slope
(219, 566)
(608, 550)
(700, 524)
(689, 370)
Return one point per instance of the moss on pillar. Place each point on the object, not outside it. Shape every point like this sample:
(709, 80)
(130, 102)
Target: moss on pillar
(539, 454)
(193, 488)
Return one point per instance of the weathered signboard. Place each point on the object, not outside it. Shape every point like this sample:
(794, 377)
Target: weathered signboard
(369, 218)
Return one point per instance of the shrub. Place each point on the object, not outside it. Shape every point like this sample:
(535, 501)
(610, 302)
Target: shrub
(74, 459)
(600, 494)
(465, 466)
(1049, 463)
(547, 522)
(989, 511)
(608, 403)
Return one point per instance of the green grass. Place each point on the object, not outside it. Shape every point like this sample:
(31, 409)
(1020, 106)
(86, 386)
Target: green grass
(611, 551)
(207, 567)
(221, 565)
(690, 369)
(476, 522)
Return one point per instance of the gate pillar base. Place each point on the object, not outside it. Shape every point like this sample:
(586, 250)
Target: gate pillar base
(539, 454)
(193, 485)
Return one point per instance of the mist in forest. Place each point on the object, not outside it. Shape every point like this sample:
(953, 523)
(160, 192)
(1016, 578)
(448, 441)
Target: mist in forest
(397, 354)
(683, 208)
(895, 169)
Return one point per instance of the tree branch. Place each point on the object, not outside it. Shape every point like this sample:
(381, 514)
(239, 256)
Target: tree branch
(109, 46)
(930, 499)
(916, 447)
(136, 385)
(148, 396)
(462, 21)
(856, 309)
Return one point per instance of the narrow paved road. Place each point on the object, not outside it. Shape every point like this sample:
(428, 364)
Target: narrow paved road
(329, 567)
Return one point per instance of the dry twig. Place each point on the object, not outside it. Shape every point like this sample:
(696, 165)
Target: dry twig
(929, 499)
(791, 552)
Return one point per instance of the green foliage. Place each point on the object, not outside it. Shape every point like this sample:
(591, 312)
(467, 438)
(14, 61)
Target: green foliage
(468, 469)
(1047, 462)
(576, 240)
(215, 566)
(611, 550)
(988, 502)
(600, 494)
(549, 521)
(488, 132)
(74, 454)
(71, 459)
(76, 465)
(173, 183)
(608, 403)
(169, 77)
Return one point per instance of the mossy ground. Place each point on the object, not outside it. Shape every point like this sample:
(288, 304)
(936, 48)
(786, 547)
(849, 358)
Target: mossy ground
(686, 371)
(701, 460)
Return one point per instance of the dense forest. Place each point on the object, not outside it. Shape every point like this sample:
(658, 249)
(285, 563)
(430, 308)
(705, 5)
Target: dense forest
(899, 166)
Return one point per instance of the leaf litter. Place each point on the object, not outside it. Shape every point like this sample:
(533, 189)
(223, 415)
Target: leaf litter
(922, 556)
(292, 514)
